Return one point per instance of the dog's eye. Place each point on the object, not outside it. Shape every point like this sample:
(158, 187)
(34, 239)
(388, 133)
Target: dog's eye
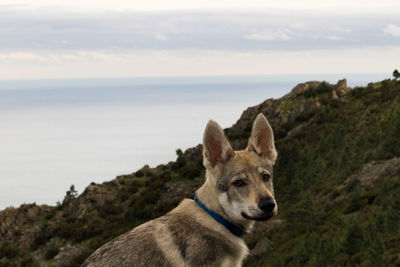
(239, 183)
(266, 177)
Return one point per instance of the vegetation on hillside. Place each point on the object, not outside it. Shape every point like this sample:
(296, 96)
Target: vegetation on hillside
(337, 183)
(323, 221)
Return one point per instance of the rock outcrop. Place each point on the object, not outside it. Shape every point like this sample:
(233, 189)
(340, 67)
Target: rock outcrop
(341, 88)
(371, 174)
(302, 87)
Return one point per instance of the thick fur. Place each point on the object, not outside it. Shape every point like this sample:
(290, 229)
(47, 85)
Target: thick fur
(237, 183)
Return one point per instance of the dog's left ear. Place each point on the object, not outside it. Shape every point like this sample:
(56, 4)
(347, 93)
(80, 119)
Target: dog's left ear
(261, 140)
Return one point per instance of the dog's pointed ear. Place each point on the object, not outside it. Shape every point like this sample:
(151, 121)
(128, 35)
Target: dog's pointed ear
(261, 140)
(216, 148)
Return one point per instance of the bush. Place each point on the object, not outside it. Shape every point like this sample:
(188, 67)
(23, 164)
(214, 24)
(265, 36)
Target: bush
(323, 87)
(77, 260)
(28, 261)
(51, 252)
(9, 250)
(386, 90)
(44, 235)
(354, 238)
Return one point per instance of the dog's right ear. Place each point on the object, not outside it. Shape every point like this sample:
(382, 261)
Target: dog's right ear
(216, 148)
(261, 140)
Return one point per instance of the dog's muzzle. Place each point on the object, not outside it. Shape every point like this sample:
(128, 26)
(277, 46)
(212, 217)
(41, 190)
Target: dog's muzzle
(267, 205)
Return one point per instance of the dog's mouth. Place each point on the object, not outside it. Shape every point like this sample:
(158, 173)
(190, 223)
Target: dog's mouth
(265, 217)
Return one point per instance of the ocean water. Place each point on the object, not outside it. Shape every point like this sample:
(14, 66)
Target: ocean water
(54, 133)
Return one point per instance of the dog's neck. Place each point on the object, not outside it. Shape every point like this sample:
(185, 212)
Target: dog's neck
(207, 193)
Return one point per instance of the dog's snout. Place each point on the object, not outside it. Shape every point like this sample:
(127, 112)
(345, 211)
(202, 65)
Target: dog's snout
(266, 204)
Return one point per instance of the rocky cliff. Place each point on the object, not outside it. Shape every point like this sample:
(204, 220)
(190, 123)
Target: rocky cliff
(337, 182)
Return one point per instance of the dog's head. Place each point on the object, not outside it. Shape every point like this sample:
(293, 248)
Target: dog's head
(243, 179)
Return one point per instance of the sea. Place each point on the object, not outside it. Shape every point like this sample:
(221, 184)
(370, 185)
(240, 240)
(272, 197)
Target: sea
(61, 132)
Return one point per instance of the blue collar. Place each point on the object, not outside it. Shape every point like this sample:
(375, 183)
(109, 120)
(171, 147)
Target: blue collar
(237, 231)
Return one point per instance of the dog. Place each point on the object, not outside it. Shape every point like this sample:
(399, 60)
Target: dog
(206, 231)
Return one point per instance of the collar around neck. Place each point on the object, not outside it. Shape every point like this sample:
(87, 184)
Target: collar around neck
(234, 229)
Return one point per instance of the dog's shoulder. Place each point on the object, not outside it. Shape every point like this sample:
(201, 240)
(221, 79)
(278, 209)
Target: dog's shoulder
(137, 247)
(186, 236)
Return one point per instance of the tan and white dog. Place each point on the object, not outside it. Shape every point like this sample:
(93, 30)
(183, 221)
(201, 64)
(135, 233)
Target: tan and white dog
(238, 190)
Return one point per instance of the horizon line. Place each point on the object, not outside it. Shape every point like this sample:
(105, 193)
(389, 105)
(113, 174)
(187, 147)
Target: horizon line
(193, 76)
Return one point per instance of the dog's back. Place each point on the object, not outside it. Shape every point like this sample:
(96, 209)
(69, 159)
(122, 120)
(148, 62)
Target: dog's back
(186, 236)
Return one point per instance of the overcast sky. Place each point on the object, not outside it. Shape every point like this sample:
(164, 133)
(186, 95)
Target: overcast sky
(67, 39)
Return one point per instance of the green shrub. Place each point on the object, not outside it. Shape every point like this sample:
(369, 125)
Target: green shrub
(77, 260)
(9, 250)
(51, 252)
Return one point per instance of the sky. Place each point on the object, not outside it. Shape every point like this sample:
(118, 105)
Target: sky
(45, 39)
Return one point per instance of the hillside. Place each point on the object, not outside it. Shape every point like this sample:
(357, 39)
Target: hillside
(337, 183)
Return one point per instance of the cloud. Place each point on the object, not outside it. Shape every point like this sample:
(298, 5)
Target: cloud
(269, 36)
(211, 30)
(338, 29)
(193, 62)
(160, 37)
(392, 29)
(15, 57)
(348, 6)
(335, 38)
(39, 44)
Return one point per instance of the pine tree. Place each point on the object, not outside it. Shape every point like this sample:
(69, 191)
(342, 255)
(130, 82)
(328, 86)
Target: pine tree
(396, 74)
(70, 194)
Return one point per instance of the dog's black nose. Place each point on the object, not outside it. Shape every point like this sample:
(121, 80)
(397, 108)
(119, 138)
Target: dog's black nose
(266, 204)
